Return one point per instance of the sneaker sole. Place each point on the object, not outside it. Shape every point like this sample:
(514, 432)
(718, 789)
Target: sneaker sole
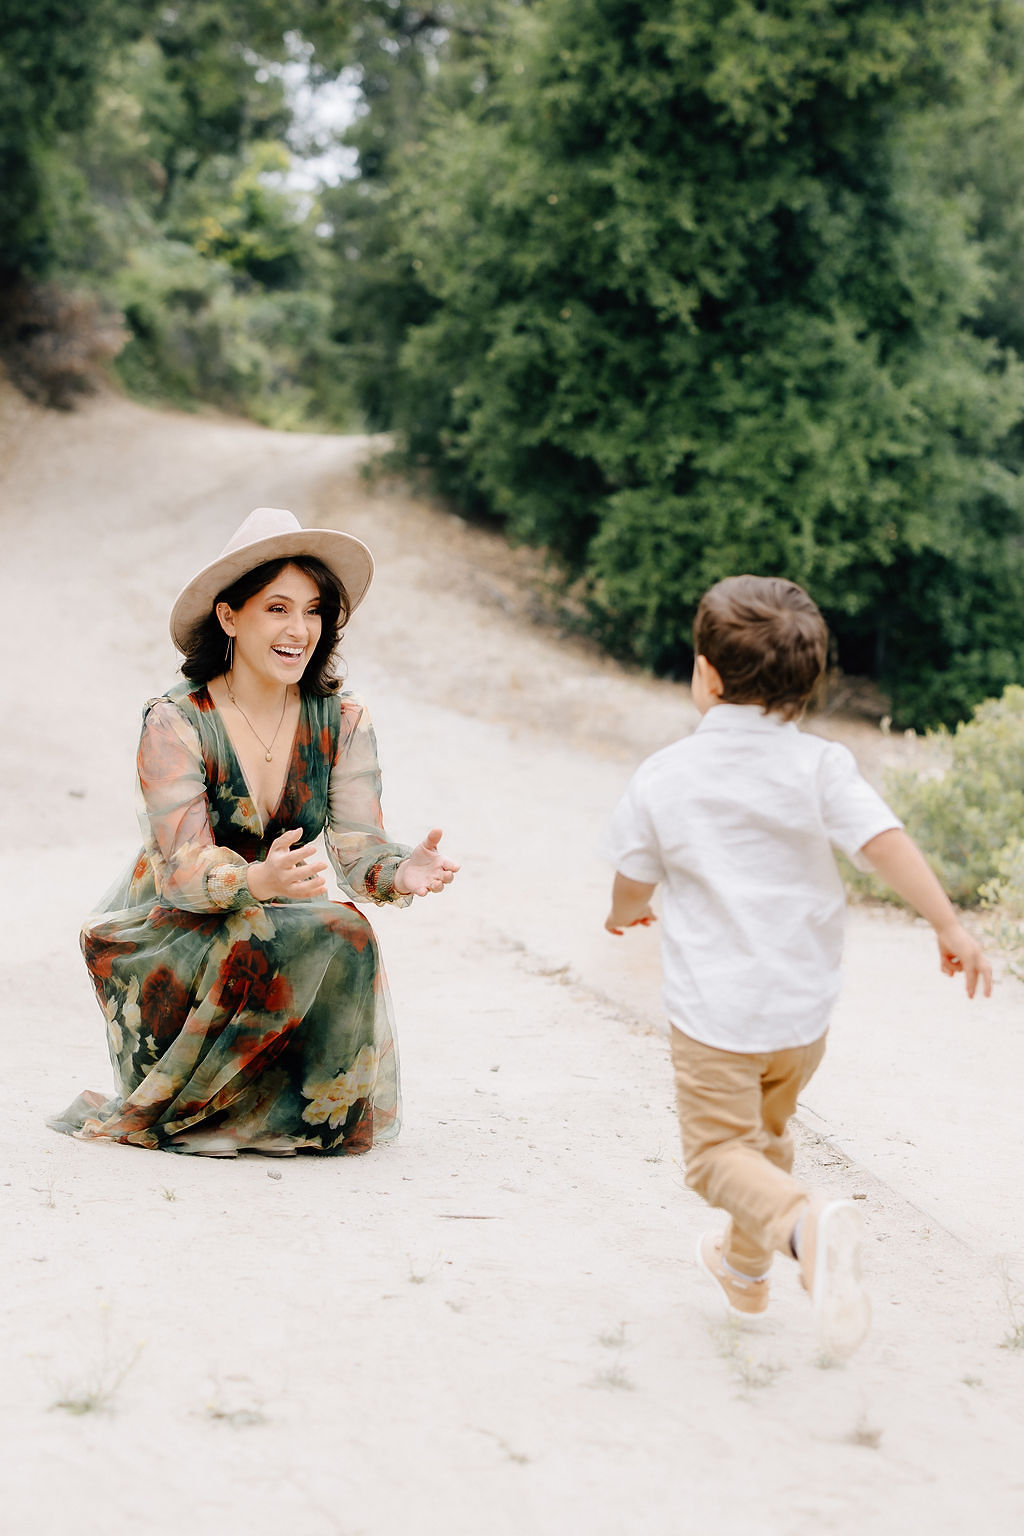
(751, 1319)
(841, 1305)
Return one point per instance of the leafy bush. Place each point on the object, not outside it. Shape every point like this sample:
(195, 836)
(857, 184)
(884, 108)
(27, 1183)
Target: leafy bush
(197, 336)
(1004, 897)
(969, 816)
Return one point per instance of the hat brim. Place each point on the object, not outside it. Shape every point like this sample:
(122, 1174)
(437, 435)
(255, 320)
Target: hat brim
(346, 556)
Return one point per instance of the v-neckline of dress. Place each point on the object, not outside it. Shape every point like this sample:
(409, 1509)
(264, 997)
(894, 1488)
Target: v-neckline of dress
(264, 821)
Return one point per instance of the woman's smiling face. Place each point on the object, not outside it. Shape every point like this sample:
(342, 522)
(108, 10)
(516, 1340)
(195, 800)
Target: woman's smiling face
(278, 629)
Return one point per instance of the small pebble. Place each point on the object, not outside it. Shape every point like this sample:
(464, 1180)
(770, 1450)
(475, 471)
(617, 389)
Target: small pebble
(858, 1197)
(271, 1174)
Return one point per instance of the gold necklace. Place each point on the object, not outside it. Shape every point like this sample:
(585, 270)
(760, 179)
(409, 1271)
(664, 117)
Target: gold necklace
(269, 750)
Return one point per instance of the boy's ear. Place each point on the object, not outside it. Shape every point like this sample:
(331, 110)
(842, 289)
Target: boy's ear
(709, 676)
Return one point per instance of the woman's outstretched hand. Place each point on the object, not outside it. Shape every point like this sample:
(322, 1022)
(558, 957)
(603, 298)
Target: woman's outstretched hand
(285, 874)
(425, 869)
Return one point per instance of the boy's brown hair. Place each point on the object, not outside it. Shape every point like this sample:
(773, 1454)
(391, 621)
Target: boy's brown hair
(765, 638)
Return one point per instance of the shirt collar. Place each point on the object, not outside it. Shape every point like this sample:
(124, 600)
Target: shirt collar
(742, 717)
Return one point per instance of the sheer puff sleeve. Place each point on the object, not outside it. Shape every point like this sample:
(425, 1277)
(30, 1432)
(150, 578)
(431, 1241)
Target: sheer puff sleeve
(189, 869)
(364, 860)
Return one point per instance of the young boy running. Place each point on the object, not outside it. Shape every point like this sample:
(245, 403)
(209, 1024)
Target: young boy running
(738, 822)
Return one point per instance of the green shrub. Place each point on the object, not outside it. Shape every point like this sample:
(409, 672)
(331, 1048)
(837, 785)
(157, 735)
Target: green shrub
(968, 817)
(199, 335)
(1004, 898)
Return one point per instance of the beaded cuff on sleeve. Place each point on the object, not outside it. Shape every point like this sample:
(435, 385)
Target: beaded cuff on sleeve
(227, 885)
(380, 880)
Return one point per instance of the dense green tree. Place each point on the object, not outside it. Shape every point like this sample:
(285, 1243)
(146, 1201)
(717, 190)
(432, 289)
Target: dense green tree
(202, 83)
(413, 66)
(976, 143)
(52, 57)
(699, 303)
(148, 161)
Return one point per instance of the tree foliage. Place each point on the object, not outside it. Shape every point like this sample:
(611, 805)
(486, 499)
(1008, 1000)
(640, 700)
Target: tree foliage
(415, 67)
(52, 54)
(700, 302)
(149, 157)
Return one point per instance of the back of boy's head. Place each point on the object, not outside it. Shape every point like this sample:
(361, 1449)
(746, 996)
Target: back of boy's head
(765, 638)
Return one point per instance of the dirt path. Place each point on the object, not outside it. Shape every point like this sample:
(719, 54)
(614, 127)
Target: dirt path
(493, 1326)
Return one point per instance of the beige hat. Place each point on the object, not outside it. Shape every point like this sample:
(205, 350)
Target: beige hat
(270, 533)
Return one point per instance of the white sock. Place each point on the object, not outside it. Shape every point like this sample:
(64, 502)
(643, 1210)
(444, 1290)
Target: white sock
(754, 1279)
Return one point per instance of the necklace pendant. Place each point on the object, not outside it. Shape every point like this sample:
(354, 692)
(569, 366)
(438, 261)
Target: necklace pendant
(269, 757)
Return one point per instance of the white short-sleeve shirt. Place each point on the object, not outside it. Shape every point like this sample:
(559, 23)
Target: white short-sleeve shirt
(737, 823)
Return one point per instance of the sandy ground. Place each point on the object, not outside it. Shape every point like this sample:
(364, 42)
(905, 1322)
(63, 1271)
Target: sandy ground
(494, 1325)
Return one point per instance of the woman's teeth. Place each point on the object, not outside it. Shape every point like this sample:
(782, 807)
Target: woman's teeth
(290, 653)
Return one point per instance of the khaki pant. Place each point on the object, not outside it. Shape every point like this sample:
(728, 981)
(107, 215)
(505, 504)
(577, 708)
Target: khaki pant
(734, 1111)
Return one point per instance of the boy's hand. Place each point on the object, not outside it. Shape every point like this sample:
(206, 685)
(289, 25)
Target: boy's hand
(616, 924)
(899, 861)
(631, 905)
(959, 952)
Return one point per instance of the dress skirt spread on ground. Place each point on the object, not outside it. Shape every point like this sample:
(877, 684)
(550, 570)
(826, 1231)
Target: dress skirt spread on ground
(233, 1025)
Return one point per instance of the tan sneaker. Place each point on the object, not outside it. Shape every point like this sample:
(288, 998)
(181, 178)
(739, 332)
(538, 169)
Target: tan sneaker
(743, 1299)
(830, 1265)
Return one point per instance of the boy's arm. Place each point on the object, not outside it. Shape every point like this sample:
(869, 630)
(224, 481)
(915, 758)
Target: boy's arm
(902, 865)
(631, 905)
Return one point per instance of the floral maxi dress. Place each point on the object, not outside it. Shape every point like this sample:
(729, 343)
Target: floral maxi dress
(234, 1025)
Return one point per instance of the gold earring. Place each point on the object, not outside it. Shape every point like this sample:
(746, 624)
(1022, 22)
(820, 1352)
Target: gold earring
(231, 653)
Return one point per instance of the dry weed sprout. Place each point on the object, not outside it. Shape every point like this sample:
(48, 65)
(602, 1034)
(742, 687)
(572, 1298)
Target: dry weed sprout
(168, 1194)
(238, 1418)
(1013, 1295)
(866, 1434)
(731, 1345)
(419, 1275)
(519, 1457)
(240, 1414)
(613, 1338)
(614, 1378)
(50, 1191)
(96, 1389)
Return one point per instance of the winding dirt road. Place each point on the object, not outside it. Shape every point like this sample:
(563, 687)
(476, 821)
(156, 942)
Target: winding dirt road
(493, 1327)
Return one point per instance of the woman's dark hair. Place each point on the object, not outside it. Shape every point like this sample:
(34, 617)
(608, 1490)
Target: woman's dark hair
(207, 653)
(766, 639)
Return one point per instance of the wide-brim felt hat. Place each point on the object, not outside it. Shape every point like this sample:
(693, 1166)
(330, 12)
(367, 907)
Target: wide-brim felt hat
(270, 533)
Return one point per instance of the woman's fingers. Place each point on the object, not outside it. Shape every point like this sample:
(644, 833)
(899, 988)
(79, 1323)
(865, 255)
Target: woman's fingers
(301, 871)
(293, 874)
(299, 856)
(429, 847)
(426, 871)
(285, 840)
